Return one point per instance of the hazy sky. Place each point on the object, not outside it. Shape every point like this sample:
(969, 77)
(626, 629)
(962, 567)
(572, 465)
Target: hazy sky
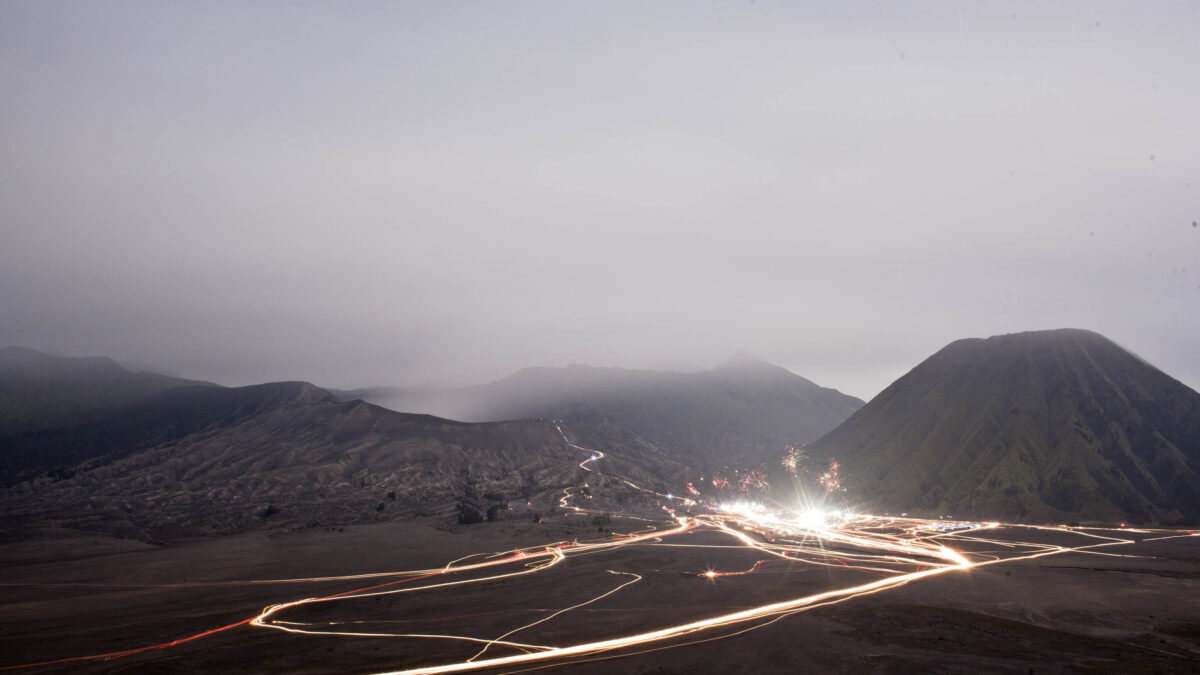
(398, 193)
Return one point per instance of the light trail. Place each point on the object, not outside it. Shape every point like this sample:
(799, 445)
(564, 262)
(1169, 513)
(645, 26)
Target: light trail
(128, 652)
(636, 578)
(865, 543)
(773, 611)
(899, 550)
(557, 554)
(724, 620)
(596, 455)
(919, 547)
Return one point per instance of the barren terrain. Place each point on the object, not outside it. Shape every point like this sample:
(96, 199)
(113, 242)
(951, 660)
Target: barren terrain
(1116, 608)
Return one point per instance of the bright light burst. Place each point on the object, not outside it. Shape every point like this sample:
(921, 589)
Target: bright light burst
(830, 480)
(894, 550)
(793, 459)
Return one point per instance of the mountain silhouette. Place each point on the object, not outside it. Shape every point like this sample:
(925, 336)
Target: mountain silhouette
(1054, 425)
(745, 411)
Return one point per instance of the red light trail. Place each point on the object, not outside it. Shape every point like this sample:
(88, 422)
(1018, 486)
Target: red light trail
(898, 551)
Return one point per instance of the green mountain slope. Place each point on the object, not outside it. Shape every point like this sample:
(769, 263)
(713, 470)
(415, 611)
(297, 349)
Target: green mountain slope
(1052, 425)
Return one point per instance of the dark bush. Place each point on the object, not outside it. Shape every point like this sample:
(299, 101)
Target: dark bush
(468, 514)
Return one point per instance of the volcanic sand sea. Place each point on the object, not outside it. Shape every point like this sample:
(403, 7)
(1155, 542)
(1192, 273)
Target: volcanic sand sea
(78, 595)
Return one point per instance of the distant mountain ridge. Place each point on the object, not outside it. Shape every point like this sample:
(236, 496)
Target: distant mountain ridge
(40, 391)
(189, 460)
(290, 456)
(154, 420)
(1044, 426)
(1049, 425)
(744, 411)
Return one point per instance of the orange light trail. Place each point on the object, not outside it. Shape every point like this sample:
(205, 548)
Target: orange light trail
(900, 549)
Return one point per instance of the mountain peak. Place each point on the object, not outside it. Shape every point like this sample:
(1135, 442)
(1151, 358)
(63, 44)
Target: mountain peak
(1042, 425)
(742, 359)
(39, 390)
(1032, 338)
(19, 352)
(744, 366)
(294, 391)
(27, 362)
(1059, 335)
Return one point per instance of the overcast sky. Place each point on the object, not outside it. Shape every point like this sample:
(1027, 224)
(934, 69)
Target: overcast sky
(400, 193)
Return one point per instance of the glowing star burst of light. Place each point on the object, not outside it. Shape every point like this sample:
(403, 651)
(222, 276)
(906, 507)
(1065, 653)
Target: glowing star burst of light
(813, 519)
(902, 549)
(792, 459)
(830, 480)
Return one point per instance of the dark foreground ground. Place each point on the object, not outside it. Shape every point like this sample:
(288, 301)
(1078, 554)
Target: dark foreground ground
(1134, 610)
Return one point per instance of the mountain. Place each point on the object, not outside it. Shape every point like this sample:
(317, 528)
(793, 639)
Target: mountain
(198, 460)
(156, 420)
(202, 461)
(214, 460)
(39, 391)
(745, 411)
(1055, 425)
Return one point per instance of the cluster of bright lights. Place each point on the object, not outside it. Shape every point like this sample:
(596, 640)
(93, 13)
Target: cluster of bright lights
(814, 519)
(894, 551)
(740, 480)
(937, 526)
(793, 459)
(754, 480)
(830, 480)
(745, 509)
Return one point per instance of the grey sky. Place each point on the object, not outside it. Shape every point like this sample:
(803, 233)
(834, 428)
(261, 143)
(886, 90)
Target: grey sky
(385, 193)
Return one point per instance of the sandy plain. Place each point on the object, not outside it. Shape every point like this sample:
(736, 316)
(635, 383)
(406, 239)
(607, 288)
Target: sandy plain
(71, 595)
